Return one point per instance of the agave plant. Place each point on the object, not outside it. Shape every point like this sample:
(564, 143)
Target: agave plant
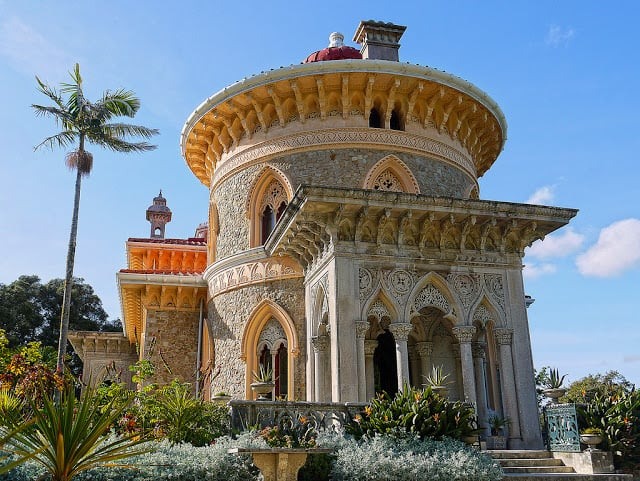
(437, 377)
(554, 380)
(69, 436)
(10, 407)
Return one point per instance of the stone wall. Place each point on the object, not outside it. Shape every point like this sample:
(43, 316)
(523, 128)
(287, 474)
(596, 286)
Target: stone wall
(345, 168)
(228, 317)
(170, 343)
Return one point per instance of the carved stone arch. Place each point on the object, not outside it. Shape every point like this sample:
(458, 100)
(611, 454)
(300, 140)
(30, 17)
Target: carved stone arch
(381, 295)
(396, 172)
(258, 319)
(255, 199)
(436, 290)
(496, 315)
(290, 110)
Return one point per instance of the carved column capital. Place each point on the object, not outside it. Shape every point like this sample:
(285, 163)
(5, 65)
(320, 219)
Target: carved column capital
(361, 329)
(464, 333)
(424, 348)
(320, 343)
(504, 335)
(370, 347)
(400, 330)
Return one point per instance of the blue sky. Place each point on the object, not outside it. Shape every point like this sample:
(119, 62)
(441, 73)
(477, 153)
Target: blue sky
(564, 73)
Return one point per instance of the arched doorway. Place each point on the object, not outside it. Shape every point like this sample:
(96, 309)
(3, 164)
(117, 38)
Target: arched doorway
(385, 364)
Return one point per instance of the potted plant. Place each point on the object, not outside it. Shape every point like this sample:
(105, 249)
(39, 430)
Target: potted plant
(591, 437)
(263, 382)
(437, 380)
(553, 385)
(497, 425)
(221, 397)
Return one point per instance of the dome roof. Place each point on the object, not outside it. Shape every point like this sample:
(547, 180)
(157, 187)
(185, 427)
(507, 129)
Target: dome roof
(159, 205)
(335, 51)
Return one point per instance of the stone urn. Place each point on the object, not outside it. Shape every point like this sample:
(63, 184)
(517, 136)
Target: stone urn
(442, 391)
(591, 440)
(263, 388)
(554, 394)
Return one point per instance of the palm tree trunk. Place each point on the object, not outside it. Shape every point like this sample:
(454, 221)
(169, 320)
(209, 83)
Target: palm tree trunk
(68, 280)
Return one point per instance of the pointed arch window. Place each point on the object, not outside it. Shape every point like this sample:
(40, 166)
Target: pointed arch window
(395, 123)
(272, 205)
(375, 119)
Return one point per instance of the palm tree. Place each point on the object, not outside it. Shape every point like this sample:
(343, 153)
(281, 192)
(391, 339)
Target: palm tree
(83, 122)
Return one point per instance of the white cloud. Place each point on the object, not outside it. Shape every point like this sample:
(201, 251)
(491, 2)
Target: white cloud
(617, 250)
(29, 52)
(556, 245)
(542, 196)
(557, 35)
(533, 271)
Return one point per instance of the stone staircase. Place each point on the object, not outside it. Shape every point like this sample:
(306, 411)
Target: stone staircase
(542, 466)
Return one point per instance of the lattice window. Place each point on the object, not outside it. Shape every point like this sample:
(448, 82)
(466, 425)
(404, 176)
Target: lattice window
(431, 297)
(272, 205)
(388, 182)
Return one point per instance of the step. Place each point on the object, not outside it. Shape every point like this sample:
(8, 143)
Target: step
(561, 469)
(518, 454)
(532, 462)
(566, 477)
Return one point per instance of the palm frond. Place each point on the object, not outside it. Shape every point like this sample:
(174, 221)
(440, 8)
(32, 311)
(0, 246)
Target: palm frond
(119, 145)
(127, 130)
(59, 115)
(120, 102)
(50, 92)
(62, 139)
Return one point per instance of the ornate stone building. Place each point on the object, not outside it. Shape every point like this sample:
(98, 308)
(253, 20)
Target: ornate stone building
(347, 245)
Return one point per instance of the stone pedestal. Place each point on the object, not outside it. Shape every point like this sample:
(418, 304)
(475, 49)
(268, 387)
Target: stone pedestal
(279, 464)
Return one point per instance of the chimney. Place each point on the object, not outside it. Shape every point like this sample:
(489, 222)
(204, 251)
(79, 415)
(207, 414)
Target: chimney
(379, 40)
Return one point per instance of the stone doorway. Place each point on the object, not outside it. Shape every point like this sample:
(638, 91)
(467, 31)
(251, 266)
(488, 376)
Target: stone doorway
(385, 364)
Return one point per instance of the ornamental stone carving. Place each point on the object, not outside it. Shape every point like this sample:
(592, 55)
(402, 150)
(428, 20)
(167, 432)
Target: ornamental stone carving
(466, 285)
(464, 334)
(495, 287)
(320, 343)
(387, 181)
(253, 272)
(478, 350)
(366, 282)
(400, 330)
(401, 282)
(271, 334)
(361, 329)
(482, 315)
(430, 296)
(503, 335)
(378, 310)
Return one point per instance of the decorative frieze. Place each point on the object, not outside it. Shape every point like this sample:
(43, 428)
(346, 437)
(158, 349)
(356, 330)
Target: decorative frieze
(430, 296)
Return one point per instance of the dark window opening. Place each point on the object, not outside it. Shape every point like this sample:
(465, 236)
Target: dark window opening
(375, 120)
(396, 121)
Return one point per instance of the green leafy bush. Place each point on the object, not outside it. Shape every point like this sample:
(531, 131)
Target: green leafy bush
(618, 416)
(415, 411)
(290, 432)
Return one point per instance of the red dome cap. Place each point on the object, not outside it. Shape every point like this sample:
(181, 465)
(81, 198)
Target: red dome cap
(335, 51)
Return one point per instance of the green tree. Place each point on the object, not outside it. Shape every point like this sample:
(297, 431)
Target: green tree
(584, 390)
(82, 122)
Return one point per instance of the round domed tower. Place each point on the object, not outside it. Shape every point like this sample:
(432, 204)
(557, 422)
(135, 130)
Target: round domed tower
(345, 225)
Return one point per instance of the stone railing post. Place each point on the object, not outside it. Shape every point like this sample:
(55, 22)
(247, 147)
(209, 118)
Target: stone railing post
(482, 407)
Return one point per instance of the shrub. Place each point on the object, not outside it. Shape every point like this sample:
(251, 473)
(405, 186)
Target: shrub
(618, 416)
(415, 411)
(389, 458)
(168, 461)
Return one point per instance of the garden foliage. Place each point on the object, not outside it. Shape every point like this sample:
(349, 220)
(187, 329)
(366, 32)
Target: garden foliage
(420, 412)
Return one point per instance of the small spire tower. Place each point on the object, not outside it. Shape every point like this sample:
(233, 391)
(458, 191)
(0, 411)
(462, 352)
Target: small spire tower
(158, 215)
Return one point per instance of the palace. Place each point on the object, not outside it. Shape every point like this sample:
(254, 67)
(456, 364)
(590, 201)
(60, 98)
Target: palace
(347, 247)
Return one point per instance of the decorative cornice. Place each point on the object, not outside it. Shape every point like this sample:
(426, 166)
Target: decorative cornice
(264, 104)
(382, 139)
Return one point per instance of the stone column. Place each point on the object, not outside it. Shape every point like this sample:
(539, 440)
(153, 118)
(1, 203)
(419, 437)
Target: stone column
(482, 408)
(400, 331)
(369, 349)
(504, 337)
(320, 347)
(425, 349)
(414, 364)
(465, 335)
(361, 331)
